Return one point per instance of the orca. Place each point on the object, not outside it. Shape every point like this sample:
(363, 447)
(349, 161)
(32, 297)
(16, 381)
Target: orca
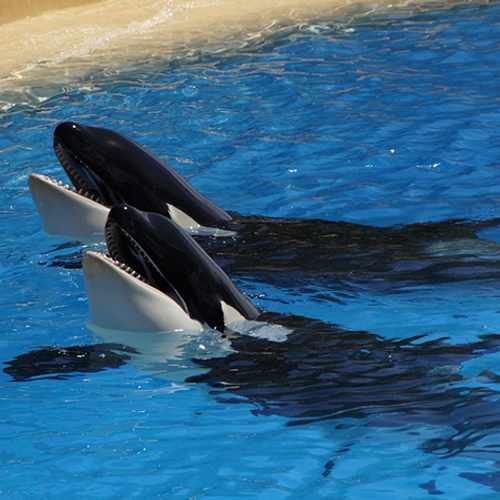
(320, 374)
(157, 278)
(106, 169)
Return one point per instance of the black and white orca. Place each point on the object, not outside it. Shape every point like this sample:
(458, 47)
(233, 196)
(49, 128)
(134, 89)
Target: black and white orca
(157, 278)
(106, 169)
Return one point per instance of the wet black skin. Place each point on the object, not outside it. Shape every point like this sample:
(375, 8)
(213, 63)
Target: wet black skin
(118, 170)
(180, 264)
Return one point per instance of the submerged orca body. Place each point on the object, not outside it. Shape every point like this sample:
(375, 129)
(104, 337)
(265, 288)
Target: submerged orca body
(320, 372)
(158, 279)
(63, 362)
(106, 169)
(345, 257)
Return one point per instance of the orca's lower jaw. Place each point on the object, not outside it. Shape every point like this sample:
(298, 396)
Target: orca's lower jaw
(84, 192)
(77, 212)
(65, 212)
(121, 299)
(126, 269)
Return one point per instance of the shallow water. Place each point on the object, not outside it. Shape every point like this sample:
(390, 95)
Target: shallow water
(384, 122)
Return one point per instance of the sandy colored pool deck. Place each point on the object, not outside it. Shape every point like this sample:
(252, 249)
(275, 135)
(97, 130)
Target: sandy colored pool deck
(51, 41)
(18, 9)
(92, 28)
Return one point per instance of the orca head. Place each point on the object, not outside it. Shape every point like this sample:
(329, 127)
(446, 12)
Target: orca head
(86, 155)
(165, 257)
(112, 169)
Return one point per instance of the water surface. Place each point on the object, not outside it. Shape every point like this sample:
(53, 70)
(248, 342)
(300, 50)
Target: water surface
(387, 121)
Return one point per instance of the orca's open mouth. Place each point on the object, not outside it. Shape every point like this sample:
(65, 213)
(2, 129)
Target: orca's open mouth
(82, 185)
(121, 265)
(86, 193)
(128, 255)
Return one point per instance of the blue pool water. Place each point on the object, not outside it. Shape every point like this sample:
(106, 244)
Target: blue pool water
(383, 121)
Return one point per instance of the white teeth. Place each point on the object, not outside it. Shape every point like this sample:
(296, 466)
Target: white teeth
(76, 178)
(113, 251)
(126, 268)
(81, 191)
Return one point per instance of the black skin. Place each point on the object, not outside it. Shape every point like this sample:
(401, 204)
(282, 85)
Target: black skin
(97, 158)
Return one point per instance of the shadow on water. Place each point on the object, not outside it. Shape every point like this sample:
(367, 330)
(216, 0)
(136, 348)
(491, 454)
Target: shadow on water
(62, 363)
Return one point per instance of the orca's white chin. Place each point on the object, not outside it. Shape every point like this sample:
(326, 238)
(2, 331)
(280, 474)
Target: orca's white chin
(66, 213)
(119, 300)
